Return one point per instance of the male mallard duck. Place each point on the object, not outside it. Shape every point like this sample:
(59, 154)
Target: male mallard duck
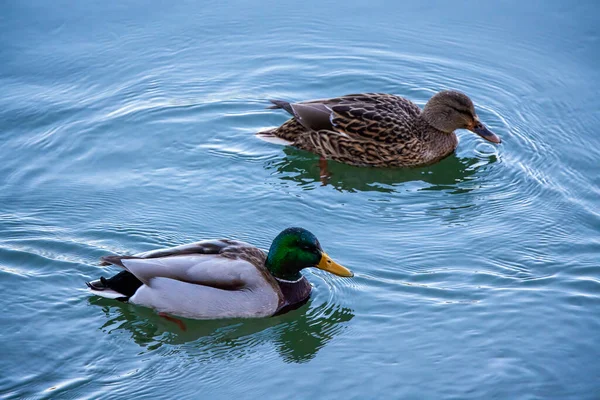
(220, 278)
(379, 130)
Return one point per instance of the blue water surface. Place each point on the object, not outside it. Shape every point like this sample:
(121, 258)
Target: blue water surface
(128, 126)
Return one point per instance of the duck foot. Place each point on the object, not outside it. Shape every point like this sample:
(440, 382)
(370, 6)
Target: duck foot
(324, 174)
(170, 318)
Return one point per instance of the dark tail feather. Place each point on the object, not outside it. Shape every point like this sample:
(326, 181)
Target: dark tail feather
(124, 283)
(281, 104)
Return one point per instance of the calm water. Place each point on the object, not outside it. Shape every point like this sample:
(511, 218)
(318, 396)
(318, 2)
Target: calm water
(129, 127)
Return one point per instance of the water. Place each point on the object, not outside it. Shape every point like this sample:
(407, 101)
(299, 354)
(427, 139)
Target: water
(126, 127)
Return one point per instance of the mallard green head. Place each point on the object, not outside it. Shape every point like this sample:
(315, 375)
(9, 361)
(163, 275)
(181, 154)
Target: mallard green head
(295, 249)
(449, 110)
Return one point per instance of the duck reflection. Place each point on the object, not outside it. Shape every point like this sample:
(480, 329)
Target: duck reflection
(303, 168)
(297, 335)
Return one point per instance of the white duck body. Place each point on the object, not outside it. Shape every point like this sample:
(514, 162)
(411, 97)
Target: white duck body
(180, 285)
(206, 280)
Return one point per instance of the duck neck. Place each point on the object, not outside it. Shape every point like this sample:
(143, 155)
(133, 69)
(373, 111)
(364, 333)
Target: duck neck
(440, 142)
(280, 269)
(432, 124)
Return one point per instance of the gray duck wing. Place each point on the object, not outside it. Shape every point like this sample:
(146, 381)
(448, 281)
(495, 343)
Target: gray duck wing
(214, 246)
(222, 264)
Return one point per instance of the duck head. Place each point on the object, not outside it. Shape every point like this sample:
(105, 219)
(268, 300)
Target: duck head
(449, 110)
(295, 249)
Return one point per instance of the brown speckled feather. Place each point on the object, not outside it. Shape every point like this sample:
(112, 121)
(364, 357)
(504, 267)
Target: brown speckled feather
(370, 129)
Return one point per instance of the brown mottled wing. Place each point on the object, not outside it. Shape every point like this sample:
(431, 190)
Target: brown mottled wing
(367, 129)
(361, 129)
(369, 116)
(381, 118)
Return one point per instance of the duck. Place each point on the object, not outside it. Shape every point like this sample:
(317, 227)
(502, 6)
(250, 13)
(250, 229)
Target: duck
(378, 129)
(219, 278)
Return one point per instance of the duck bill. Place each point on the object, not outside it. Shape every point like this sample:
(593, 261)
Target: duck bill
(327, 264)
(485, 133)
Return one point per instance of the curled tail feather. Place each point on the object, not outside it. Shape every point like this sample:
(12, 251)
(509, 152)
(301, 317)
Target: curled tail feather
(121, 286)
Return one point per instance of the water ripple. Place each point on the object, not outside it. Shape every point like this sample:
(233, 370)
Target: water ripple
(131, 127)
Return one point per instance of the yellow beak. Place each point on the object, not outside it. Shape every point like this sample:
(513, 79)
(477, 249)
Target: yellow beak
(327, 264)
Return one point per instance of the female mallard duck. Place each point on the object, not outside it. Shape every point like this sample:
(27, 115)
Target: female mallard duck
(220, 278)
(379, 130)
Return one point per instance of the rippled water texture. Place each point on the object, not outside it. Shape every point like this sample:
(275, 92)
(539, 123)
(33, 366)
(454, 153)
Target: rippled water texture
(127, 126)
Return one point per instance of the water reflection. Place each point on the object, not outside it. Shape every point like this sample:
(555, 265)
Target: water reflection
(449, 174)
(297, 335)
